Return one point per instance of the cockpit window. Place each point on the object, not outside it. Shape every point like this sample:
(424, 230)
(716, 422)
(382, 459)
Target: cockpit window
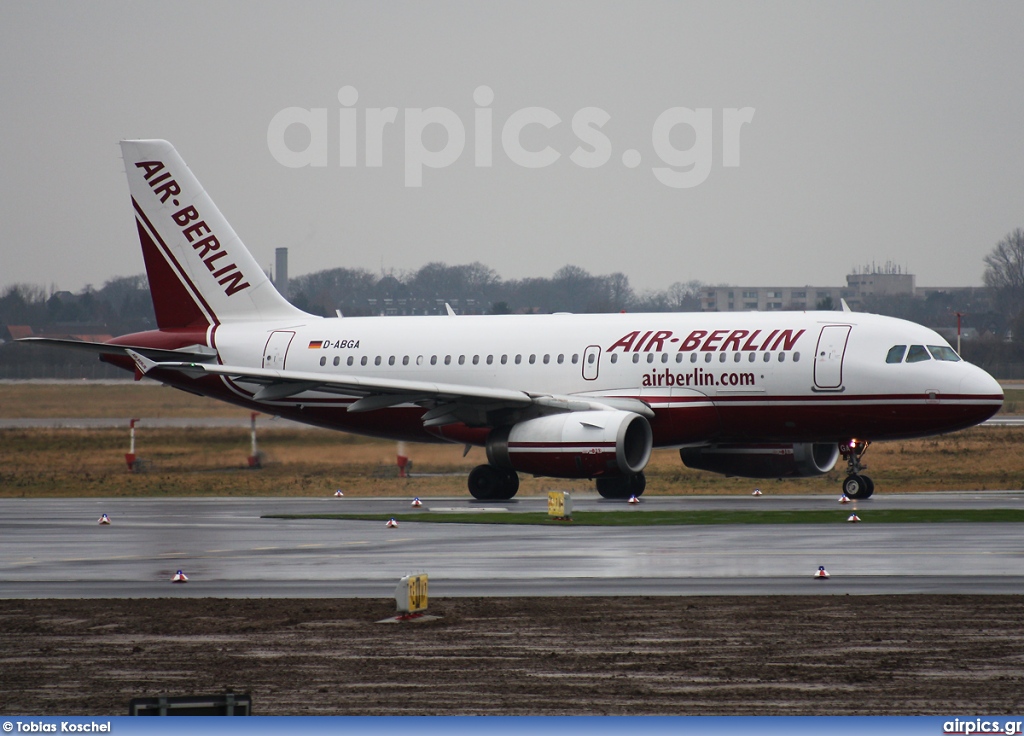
(896, 354)
(943, 352)
(917, 353)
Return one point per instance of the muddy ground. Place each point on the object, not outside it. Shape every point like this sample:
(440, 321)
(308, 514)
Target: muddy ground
(723, 655)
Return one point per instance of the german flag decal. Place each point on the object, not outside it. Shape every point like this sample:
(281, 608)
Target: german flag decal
(316, 344)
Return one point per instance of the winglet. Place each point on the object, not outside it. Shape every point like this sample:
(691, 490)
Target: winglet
(142, 363)
(451, 312)
(846, 307)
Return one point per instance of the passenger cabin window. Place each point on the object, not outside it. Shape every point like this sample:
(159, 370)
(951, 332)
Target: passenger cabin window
(917, 353)
(942, 352)
(895, 354)
(615, 358)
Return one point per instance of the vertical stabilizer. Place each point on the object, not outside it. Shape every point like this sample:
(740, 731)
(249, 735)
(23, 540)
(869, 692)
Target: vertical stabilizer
(200, 272)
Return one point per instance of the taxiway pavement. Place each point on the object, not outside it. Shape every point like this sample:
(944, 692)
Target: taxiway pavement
(54, 548)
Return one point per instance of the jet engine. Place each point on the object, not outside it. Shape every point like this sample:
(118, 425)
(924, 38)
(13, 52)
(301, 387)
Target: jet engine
(801, 460)
(579, 444)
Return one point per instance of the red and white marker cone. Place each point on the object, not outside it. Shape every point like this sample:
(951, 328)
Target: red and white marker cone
(338, 493)
(633, 499)
(853, 518)
(392, 524)
(757, 492)
(104, 520)
(416, 502)
(821, 574)
(179, 577)
(844, 499)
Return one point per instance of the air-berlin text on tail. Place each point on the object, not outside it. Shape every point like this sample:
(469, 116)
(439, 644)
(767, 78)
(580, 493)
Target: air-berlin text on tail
(655, 341)
(193, 228)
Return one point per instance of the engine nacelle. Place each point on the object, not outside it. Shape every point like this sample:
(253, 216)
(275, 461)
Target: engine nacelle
(801, 460)
(579, 444)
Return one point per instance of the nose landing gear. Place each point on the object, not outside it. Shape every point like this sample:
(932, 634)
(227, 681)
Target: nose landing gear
(857, 485)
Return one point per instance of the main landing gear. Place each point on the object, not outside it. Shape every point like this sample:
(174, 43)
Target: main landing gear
(622, 486)
(857, 485)
(491, 483)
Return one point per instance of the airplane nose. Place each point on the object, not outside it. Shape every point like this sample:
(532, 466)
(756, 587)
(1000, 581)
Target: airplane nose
(980, 384)
(982, 395)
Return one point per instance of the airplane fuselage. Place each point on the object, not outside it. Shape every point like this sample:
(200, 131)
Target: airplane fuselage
(709, 377)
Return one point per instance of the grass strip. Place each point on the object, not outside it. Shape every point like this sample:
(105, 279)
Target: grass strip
(680, 518)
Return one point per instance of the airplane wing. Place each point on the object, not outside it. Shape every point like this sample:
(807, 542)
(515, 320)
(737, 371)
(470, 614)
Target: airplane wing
(446, 403)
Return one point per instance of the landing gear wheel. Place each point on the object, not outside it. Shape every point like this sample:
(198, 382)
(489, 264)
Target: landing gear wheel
(622, 486)
(871, 486)
(488, 483)
(509, 485)
(484, 482)
(857, 487)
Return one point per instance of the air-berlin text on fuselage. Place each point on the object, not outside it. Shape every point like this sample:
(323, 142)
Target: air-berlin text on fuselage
(209, 248)
(655, 341)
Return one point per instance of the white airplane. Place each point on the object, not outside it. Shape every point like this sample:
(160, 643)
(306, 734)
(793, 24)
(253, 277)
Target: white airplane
(759, 395)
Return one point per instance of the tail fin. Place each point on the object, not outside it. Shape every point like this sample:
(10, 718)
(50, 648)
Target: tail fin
(200, 272)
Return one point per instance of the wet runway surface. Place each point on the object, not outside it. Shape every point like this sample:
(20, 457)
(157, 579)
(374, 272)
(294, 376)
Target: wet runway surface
(56, 548)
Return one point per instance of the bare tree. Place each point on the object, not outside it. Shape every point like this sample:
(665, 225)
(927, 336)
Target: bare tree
(1004, 272)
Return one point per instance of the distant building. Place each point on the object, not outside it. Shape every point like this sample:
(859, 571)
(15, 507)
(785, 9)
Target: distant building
(770, 298)
(281, 271)
(889, 281)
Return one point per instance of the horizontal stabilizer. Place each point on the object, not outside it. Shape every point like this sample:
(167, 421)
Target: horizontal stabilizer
(192, 353)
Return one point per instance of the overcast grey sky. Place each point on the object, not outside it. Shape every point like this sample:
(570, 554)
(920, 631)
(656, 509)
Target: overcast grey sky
(880, 132)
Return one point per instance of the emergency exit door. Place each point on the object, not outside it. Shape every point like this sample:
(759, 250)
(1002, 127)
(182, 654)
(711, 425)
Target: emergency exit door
(591, 362)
